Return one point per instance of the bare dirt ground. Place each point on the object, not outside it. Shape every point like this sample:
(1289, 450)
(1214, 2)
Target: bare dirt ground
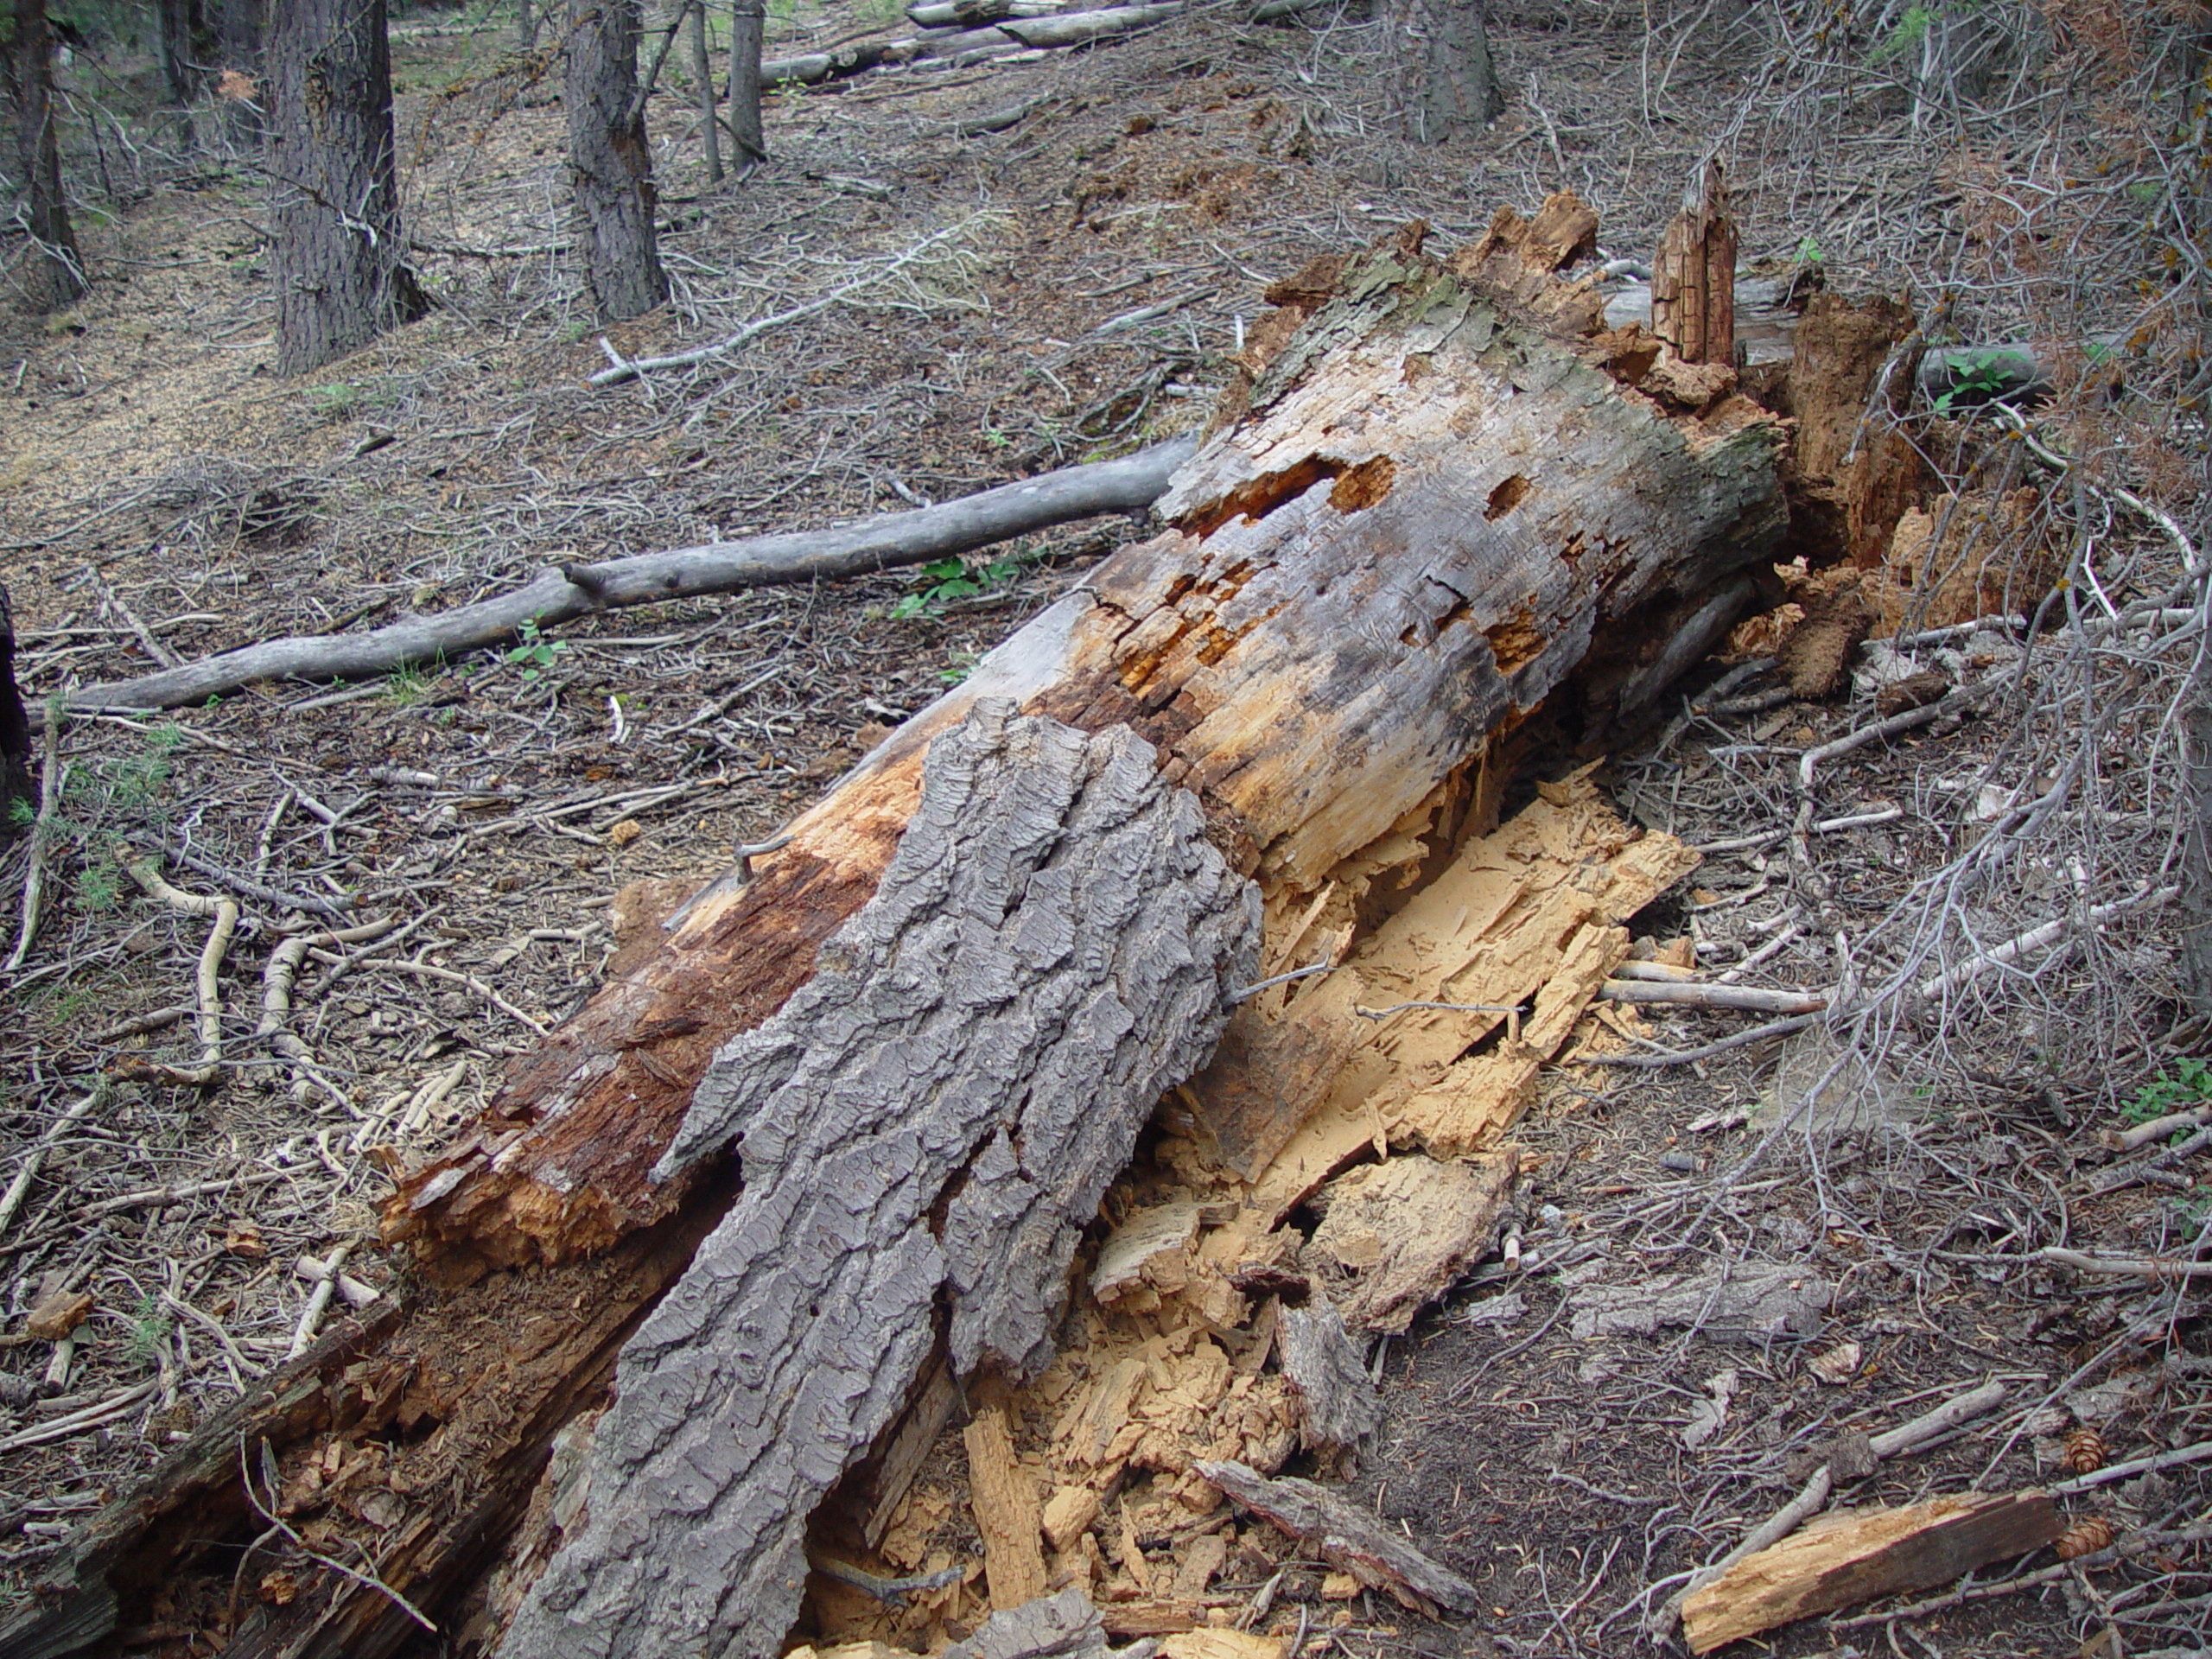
(164, 495)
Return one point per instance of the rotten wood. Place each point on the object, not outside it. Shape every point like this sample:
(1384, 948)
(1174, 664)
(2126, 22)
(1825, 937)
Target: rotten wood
(1337, 1404)
(1427, 500)
(1347, 1535)
(1694, 274)
(1855, 1557)
(1009, 1514)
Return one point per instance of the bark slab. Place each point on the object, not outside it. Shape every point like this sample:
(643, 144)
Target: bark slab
(928, 1122)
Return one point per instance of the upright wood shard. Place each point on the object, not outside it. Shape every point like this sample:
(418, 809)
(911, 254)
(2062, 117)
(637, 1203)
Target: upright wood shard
(929, 1119)
(1694, 275)
(1008, 1512)
(1847, 1558)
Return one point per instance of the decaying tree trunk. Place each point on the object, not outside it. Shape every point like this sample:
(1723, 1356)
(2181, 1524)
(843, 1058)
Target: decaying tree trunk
(1694, 275)
(934, 1019)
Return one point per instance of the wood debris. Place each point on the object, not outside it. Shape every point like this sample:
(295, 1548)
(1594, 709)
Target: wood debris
(1354, 1539)
(1850, 1557)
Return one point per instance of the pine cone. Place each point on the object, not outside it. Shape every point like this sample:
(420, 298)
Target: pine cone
(2085, 1537)
(2085, 1450)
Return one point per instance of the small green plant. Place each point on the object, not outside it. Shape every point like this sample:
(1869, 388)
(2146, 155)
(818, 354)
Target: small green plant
(405, 687)
(961, 665)
(98, 888)
(535, 654)
(1976, 377)
(149, 1330)
(946, 580)
(1810, 252)
(337, 400)
(574, 330)
(2186, 1087)
(1911, 30)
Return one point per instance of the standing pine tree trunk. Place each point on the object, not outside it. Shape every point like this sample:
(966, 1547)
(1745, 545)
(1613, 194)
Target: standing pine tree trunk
(53, 275)
(341, 277)
(186, 42)
(748, 25)
(1447, 84)
(610, 160)
(702, 71)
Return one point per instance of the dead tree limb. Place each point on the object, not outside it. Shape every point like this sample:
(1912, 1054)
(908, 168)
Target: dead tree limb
(886, 542)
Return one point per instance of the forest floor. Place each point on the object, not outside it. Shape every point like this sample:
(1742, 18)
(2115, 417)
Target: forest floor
(162, 495)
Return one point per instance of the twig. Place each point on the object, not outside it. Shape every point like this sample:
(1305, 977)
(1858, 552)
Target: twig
(2128, 1471)
(2157, 1130)
(77, 1422)
(159, 1197)
(225, 912)
(1754, 998)
(2036, 938)
(318, 1300)
(12, 1200)
(49, 799)
(428, 972)
(1965, 697)
(2164, 1268)
(1689, 1056)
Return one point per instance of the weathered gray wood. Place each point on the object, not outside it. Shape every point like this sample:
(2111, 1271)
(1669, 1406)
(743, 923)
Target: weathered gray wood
(1065, 1626)
(930, 1119)
(1346, 1535)
(1337, 1405)
(882, 543)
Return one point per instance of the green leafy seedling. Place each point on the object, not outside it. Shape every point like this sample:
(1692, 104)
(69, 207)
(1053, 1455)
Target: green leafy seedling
(2186, 1087)
(535, 654)
(1978, 377)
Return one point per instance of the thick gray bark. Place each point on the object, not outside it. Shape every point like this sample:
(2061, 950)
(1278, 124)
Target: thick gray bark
(53, 275)
(611, 165)
(186, 43)
(883, 543)
(1447, 84)
(2197, 853)
(926, 1124)
(339, 248)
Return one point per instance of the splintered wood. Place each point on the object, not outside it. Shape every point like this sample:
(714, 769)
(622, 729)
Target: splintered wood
(1848, 1557)
(1226, 1314)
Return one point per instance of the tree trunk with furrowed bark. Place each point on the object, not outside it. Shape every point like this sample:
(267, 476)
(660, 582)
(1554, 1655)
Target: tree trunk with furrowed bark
(931, 1025)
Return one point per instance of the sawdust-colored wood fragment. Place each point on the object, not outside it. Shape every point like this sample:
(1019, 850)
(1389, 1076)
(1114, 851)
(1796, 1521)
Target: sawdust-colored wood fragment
(1221, 1644)
(1853, 1557)
(1395, 1235)
(1150, 1248)
(1003, 1493)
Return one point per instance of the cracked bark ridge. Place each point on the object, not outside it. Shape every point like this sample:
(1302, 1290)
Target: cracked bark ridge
(931, 1119)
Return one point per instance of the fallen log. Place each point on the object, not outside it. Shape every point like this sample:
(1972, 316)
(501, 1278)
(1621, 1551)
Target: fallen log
(1425, 502)
(885, 542)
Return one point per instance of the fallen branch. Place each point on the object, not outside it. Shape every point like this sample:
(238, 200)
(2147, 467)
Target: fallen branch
(2036, 938)
(2123, 1267)
(42, 832)
(886, 541)
(1690, 1055)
